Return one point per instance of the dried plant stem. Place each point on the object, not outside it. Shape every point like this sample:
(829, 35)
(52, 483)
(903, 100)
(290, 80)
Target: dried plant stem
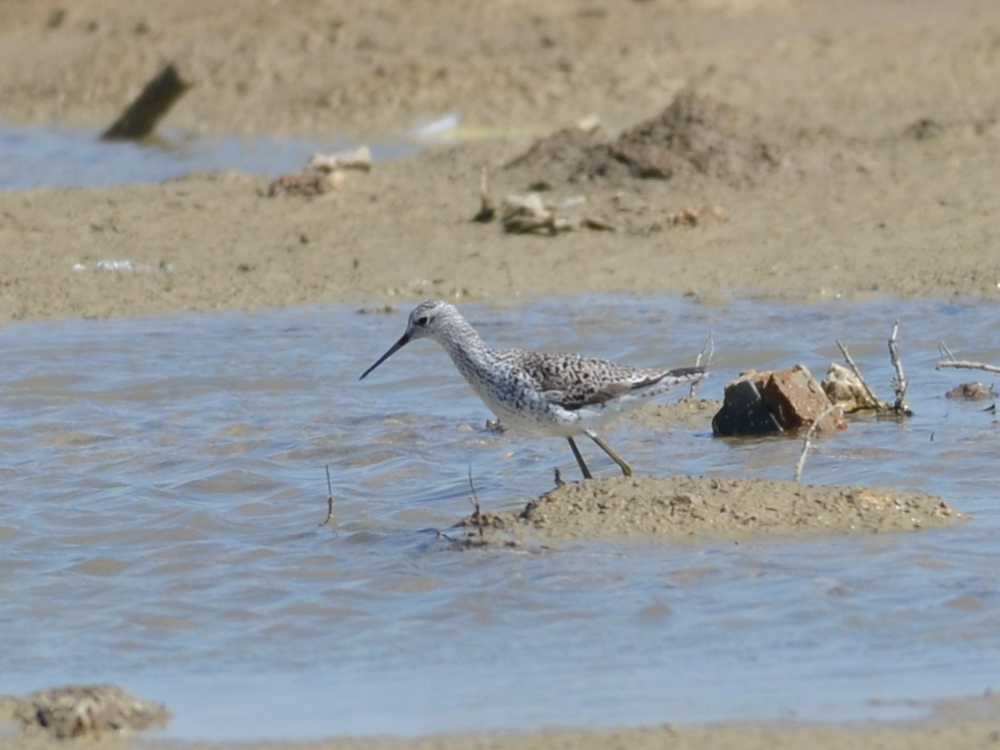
(329, 498)
(948, 360)
(880, 405)
(707, 350)
(807, 441)
(487, 208)
(477, 514)
(900, 382)
(960, 364)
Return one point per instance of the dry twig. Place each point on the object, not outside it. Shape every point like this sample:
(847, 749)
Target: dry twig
(900, 382)
(655, 70)
(948, 360)
(487, 208)
(329, 498)
(807, 442)
(477, 514)
(880, 405)
(707, 350)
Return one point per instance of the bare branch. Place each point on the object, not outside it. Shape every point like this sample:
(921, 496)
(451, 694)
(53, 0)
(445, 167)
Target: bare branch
(960, 364)
(801, 465)
(948, 360)
(707, 350)
(487, 208)
(945, 351)
(899, 383)
(880, 405)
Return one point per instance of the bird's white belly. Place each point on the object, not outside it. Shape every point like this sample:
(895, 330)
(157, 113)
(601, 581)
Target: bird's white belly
(530, 413)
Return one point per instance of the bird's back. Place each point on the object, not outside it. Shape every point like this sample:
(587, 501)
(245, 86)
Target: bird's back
(576, 381)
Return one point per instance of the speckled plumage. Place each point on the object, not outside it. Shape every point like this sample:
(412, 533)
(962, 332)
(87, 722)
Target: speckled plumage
(550, 394)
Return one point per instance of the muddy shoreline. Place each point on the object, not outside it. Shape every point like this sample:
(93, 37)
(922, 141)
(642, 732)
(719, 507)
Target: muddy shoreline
(806, 185)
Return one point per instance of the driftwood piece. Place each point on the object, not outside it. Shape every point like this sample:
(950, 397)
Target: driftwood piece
(142, 115)
(948, 360)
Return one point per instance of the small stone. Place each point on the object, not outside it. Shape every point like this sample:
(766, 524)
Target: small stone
(845, 389)
(744, 412)
(359, 159)
(797, 400)
(972, 392)
(305, 182)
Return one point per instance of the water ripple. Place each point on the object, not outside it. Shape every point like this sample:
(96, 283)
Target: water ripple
(165, 479)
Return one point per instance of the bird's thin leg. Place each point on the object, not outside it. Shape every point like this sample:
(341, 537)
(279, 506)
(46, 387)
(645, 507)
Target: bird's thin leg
(626, 469)
(579, 459)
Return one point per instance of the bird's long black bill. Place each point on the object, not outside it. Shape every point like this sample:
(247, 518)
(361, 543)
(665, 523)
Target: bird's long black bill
(403, 341)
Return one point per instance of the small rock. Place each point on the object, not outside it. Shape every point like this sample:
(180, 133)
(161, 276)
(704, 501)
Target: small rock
(529, 213)
(743, 412)
(923, 129)
(972, 392)
(763, 402)
(306, 182)
(589, 124)
(845, 389)
(692, 216)
(797, 400)
(360, 159)
(522, 214)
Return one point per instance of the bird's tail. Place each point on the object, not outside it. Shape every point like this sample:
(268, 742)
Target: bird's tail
(682, 375)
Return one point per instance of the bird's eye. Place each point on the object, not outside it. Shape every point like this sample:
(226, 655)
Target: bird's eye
(422, 320)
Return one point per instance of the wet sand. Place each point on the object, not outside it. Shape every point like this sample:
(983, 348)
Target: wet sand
(878, 121)
(843, 150)
(955, 725)
(697, 509)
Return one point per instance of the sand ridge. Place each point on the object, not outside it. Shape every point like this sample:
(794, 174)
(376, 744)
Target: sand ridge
(690, 509)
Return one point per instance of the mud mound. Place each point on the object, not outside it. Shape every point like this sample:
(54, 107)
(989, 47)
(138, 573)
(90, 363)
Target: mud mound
(695, 135)
(83, 711)
(692, 508)
(568, 155)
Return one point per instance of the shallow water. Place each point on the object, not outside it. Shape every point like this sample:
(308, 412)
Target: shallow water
(164, 478)
(35, 156)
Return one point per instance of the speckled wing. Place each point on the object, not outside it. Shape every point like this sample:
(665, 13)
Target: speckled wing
(574, 382)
